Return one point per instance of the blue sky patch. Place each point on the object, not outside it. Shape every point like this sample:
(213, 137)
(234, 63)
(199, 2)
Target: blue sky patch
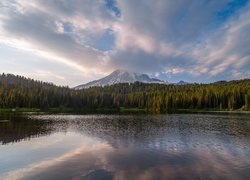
(67, 27)
(111, 5)
(105, 42)
(231, 8)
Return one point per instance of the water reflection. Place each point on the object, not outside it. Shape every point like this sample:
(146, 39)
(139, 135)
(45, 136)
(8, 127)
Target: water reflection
(125, 147)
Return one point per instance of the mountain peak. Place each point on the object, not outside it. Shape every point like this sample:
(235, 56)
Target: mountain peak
(120, 76)
(182, 83)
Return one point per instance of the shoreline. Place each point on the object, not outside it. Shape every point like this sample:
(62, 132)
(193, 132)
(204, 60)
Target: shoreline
(115, 111)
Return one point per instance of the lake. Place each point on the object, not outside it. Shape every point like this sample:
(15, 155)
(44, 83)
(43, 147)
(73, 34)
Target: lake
(174, 146)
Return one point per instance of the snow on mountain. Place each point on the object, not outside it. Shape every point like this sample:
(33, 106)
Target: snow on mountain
(120, 76)
(181, 83)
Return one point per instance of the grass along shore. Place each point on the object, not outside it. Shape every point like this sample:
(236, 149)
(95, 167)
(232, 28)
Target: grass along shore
(121, 110)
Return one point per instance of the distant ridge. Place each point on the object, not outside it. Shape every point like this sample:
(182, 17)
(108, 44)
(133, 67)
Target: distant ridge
(120, 76)
(181, 83)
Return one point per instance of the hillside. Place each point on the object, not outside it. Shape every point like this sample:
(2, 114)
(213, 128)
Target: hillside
(17, 91)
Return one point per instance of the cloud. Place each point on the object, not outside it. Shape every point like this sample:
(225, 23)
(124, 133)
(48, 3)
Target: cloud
(187, 36)
(39, 25)
(171, 21)
(228, 48)
(193, 39)
(94, 152)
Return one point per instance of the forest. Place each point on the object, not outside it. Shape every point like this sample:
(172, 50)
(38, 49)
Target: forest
(21, 92)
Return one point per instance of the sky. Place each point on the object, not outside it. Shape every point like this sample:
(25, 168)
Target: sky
(71, 42)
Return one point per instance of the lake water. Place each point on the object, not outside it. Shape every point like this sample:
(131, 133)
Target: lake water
(175, 146)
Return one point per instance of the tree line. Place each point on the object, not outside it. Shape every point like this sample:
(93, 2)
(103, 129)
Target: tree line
(18, 91)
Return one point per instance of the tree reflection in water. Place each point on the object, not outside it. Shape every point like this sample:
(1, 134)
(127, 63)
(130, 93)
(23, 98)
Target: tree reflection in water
(129, 147)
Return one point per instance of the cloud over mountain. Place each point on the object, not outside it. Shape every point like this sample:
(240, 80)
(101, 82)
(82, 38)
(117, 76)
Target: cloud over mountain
(190, 40)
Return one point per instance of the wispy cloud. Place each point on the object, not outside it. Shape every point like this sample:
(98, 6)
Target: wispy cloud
(191, 40)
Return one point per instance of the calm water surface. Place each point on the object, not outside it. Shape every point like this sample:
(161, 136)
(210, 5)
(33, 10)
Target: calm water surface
(185, 146)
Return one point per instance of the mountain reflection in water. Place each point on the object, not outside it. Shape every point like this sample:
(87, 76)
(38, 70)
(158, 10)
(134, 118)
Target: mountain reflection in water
(196, 146)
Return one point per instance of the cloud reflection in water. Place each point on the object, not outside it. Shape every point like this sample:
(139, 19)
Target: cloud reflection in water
(138, 147)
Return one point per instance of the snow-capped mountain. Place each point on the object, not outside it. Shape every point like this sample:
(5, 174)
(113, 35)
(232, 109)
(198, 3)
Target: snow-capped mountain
(120, 76)
(181, 83)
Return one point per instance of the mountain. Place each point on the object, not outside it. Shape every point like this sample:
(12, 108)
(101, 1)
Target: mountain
(181, 83)
(120, 76)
